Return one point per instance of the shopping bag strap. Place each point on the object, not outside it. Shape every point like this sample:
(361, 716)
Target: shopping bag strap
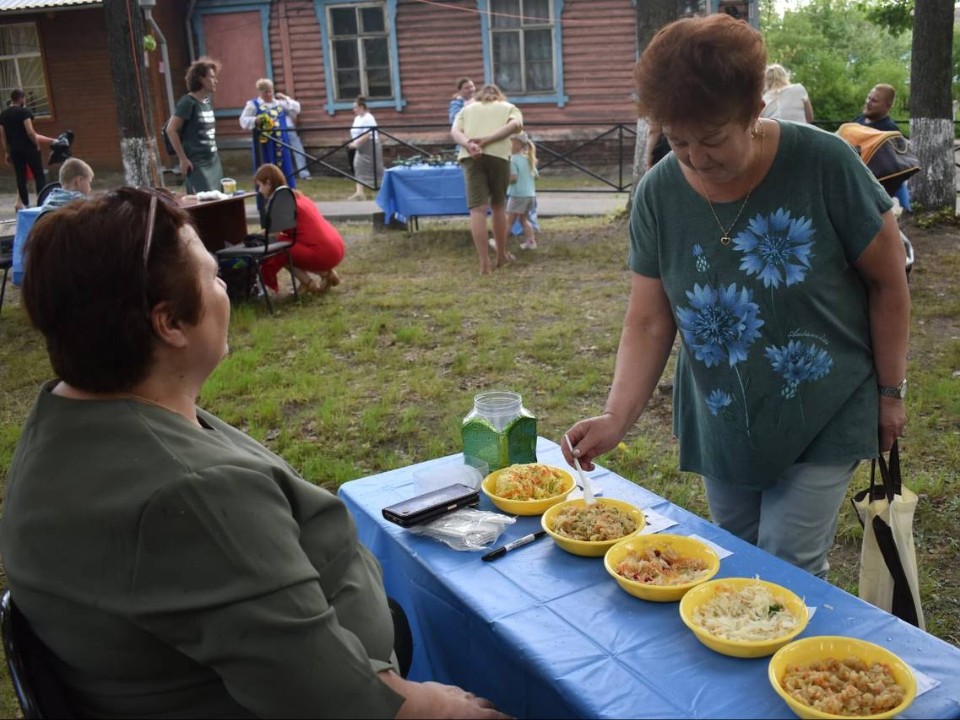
(889, 473)
(902, 604)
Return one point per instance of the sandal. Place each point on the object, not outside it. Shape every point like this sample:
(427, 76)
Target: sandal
(316, 288)
(332, 277)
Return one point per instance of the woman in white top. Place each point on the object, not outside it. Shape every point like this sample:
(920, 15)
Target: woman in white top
(785, 100)
(368, 161)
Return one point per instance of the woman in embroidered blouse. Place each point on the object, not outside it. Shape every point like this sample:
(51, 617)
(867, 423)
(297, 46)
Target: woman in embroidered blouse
(213, 579)
(271, 109)
(773, 251)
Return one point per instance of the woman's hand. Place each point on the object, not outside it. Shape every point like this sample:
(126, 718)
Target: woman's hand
(436, 700)
(893, 418)
(592, 438)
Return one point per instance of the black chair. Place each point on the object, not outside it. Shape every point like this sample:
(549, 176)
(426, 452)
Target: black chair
(402, 636)
(6, 262)
(30, 663)
(47, 189)
(279, 215)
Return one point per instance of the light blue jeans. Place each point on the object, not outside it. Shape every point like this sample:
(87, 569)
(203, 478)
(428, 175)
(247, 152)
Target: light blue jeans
(796, 519)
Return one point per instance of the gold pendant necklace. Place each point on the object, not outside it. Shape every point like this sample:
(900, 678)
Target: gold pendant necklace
(725, 233)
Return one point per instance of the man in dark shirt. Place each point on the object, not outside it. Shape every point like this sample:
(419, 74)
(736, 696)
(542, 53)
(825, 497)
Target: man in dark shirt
(876, 114)
(21, 144)
(876, 108)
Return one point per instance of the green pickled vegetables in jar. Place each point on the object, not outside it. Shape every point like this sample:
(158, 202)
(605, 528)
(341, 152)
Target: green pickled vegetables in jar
(499, 431)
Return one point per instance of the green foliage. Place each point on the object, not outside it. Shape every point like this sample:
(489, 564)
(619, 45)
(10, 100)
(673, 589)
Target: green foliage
(838, 53)
(894, 15)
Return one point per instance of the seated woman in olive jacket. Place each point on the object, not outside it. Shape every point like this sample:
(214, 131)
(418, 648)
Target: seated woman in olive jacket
(174, 566)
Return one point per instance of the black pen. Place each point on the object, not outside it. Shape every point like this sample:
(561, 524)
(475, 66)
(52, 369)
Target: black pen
(519, 542)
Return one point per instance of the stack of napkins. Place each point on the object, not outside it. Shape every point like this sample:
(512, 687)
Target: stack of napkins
(211, 195)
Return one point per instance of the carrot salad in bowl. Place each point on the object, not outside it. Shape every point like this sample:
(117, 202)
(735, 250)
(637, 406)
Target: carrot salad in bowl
(530, 482)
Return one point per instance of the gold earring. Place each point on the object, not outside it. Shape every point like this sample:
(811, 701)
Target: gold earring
(757, 130)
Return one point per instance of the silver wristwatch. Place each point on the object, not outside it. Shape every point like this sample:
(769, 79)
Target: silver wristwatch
(897, 391)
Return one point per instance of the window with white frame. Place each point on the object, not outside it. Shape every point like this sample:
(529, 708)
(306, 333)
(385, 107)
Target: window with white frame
(21, 66)
(361, 51)
(522, 43)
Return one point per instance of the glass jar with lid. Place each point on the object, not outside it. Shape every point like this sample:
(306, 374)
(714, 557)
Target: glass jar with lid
(499, 431)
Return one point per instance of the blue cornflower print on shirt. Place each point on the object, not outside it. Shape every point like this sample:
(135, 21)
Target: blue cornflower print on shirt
(702, 263)
(797, 362)
(717, 401)
(721, 324)
(776, 248)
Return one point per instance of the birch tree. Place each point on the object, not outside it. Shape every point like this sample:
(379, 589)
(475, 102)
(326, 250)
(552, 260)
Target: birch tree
(651, 16)
(931, 107)
(138, 146)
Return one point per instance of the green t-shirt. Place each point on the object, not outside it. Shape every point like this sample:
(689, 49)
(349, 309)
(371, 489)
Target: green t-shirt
(775, 365)
(199, 133)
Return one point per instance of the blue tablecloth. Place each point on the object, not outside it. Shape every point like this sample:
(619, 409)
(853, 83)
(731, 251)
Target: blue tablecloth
(544, 633)
(25, 220)
(417, 190)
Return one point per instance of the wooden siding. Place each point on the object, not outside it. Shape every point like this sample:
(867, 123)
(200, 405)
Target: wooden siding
(438, 44)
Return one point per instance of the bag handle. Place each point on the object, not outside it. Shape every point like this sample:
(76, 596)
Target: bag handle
(889, 473)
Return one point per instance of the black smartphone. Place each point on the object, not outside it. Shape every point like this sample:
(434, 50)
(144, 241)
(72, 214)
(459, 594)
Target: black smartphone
(431, 505)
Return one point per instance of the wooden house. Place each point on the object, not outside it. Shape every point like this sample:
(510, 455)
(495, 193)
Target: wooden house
(566, 64)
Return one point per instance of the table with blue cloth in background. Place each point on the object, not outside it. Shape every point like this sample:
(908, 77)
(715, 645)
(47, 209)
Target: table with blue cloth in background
(411, 191)
(543, 633)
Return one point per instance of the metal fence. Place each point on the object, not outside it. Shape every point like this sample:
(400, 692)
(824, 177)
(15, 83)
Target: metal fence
(600, 153)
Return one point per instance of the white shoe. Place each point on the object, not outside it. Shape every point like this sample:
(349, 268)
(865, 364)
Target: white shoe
(528, 246)
(492, 243)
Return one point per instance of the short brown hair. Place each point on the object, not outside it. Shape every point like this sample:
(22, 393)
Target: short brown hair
(87, 289)
(708, 68)
(270, 173)
(198, 70)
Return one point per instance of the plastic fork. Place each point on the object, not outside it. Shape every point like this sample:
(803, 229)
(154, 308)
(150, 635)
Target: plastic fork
(588, 497)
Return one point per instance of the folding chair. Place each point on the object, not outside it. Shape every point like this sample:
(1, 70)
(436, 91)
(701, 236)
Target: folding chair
(46, 190)
(39, 691)
(279, 215)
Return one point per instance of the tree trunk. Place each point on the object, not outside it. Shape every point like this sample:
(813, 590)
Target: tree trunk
(651, 16)
(138, 146)
(931, 108)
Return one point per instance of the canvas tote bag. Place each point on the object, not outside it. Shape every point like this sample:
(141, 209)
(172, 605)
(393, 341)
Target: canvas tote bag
(888, 559)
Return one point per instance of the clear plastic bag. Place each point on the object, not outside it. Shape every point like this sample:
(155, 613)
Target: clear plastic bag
(466, 529)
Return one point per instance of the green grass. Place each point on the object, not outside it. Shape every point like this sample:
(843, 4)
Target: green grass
(378, 373)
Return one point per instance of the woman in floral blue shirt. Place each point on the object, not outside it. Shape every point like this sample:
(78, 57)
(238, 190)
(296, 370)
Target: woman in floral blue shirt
(775, 254)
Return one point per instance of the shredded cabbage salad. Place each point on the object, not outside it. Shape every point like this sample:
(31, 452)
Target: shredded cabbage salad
(747, 613)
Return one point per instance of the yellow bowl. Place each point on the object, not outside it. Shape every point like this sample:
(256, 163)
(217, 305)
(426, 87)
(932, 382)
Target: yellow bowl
(703, 593)
(812, 649)
(590, 548)
(525, 507)
(686, 547)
